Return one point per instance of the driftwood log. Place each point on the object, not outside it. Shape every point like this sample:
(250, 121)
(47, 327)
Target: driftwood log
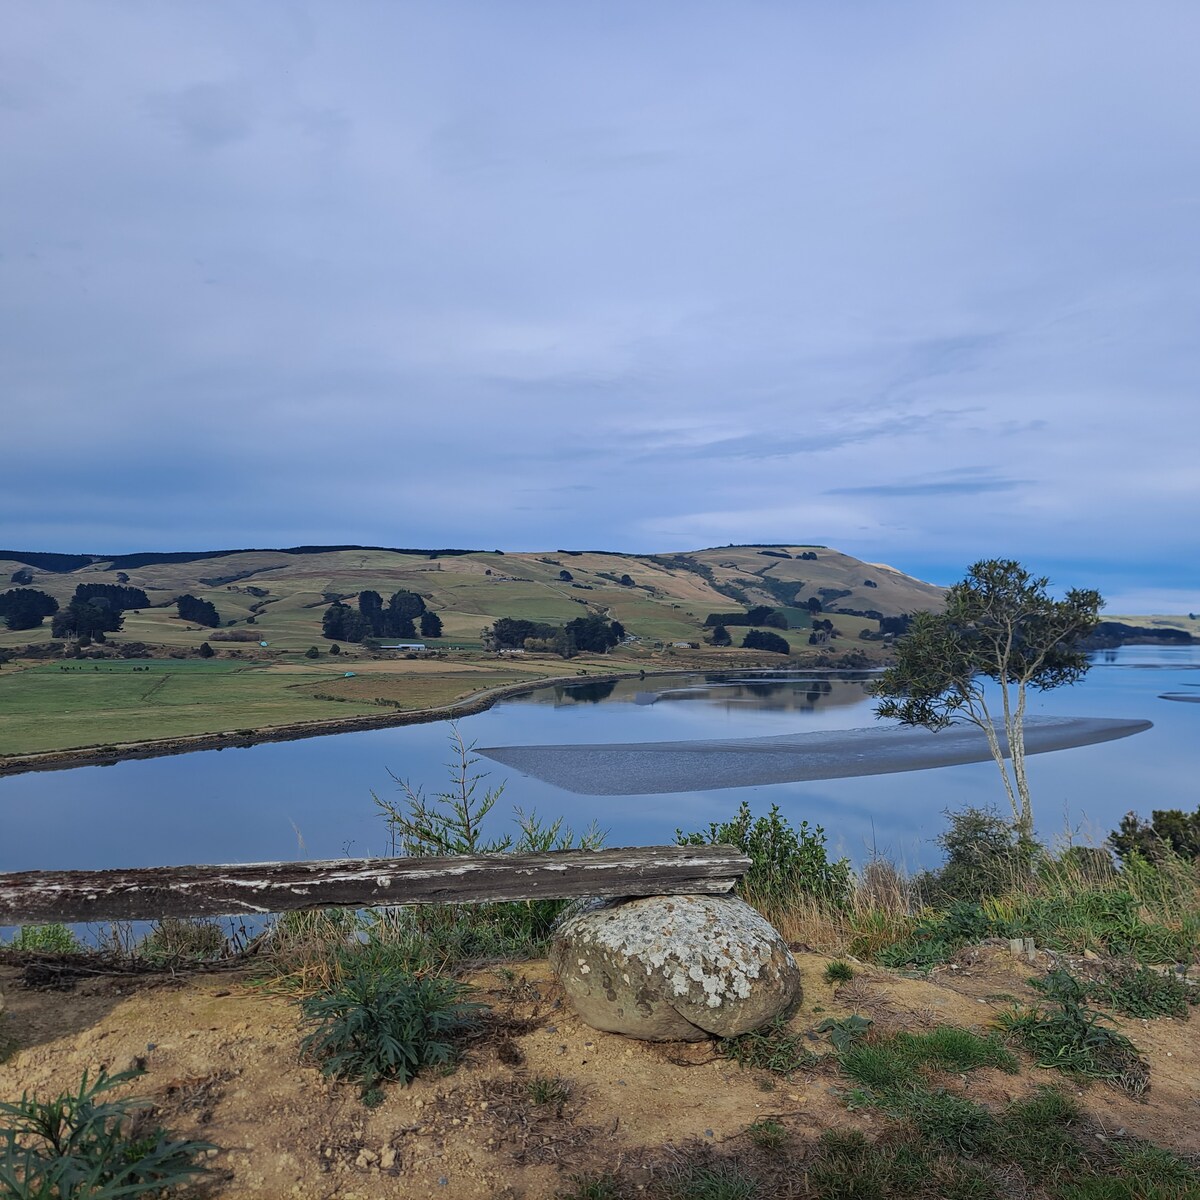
(150, 893)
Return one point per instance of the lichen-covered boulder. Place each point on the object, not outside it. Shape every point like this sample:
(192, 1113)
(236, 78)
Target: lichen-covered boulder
(674, 968)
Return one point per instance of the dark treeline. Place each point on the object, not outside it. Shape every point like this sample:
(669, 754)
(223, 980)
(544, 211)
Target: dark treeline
(118, 596)
(87, 618)
(198, 612)
(373, 618)
(72, 562)
(762, 615)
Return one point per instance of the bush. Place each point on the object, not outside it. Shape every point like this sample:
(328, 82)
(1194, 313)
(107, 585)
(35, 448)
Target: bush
(45, 939)
(381, 1025)
(1169, 831)
(983, 858)
(79, 1147)
(785, 863)
(173, 941)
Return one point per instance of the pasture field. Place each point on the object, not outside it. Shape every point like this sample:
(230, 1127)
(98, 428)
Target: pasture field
(64, 706)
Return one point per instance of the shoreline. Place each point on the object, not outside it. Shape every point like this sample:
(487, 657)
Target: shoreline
(111, 755)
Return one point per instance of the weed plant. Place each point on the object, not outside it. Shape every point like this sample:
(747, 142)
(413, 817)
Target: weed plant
(84, 1145)
(377, 1026)
(1067, 1035)
(772, 1048)
(839, 972)
(767, 1134)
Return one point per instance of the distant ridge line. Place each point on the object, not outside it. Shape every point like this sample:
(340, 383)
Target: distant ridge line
(61, 563)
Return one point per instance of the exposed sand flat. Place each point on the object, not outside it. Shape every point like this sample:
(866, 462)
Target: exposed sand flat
(644, 768)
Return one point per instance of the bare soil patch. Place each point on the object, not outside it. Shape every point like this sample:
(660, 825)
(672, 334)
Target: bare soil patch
(539, 1096)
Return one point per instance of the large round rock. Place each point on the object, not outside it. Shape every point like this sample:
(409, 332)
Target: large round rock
(674, 968)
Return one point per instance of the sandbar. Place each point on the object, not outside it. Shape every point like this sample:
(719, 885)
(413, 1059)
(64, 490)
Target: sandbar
(651, 768)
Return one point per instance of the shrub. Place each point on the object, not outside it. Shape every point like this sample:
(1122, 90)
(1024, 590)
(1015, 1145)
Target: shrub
(983, 857)
(173, 941)
(81, 1147)
(377, 1026)
(1169, 831)
(786, 862)
(47, 939)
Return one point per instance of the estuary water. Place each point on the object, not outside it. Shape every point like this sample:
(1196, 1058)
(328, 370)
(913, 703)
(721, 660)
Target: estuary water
(313, 798)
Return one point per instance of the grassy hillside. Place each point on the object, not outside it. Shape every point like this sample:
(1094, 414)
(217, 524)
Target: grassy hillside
(50, 705)
(668, 599)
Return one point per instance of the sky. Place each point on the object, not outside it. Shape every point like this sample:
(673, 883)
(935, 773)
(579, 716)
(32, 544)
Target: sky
(917, 281)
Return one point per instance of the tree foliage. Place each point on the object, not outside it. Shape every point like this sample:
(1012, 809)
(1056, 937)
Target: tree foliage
(431, 625)
(197, 611)
(87, 619)
(118, 597)
(1169, 831)
(1000, 626)
(764, 639)
(26, 608)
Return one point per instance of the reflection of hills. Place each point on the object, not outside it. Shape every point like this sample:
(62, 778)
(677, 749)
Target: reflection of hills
(796, 693)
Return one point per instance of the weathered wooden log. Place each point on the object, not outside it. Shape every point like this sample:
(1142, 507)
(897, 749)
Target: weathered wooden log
(149, 893)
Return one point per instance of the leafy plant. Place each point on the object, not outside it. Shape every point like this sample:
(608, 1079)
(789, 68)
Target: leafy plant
(47, 939)
(844, 1032)
(81, 1147)
(386, 1025)
(772, 1048)
(785, 862)
(1069, 1036)
(548, 1090)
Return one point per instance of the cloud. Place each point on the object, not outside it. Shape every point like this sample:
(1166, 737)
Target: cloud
(915, 283)
(206, 116)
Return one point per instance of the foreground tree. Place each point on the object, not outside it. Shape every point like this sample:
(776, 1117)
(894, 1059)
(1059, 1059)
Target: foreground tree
(1000, 625)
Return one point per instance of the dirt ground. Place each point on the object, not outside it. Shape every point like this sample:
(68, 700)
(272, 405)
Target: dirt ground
(221, 1062)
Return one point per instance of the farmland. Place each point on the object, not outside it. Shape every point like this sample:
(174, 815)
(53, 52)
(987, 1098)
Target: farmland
(271, 668)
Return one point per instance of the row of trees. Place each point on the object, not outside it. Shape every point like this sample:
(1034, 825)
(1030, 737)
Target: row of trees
(763, 614)
(372, 618)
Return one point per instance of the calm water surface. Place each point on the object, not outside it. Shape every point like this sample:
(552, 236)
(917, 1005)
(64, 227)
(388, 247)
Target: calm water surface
(312, 798)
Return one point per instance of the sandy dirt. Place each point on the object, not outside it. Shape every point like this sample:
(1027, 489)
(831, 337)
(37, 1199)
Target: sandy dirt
(221, 1063)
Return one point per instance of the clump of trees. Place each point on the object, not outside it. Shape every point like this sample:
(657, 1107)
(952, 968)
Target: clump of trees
(373, 618)
(119, 597)
(87, 619)
(197, 611)
(26, 608)
(764, 639)
(761, 615)
(591, 634)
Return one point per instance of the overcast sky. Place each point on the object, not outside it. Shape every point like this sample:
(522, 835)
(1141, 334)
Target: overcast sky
(919, 281)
